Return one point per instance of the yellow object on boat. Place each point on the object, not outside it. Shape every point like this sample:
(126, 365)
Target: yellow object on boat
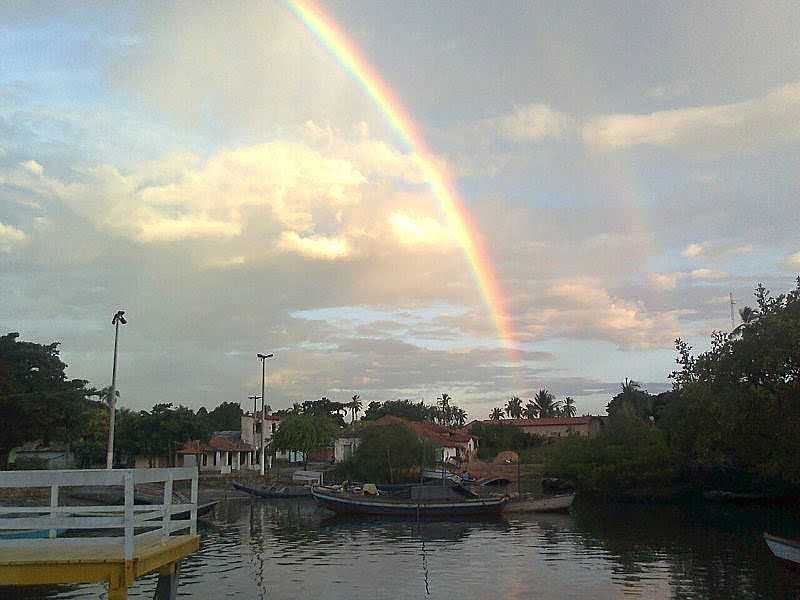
(369, 489)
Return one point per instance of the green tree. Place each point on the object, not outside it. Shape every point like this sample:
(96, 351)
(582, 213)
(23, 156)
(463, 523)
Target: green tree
(226, 416)
(445, 413)
(36, 396)
(496, 414)
(546, 404)
(531, 411)
(514, 408)
(388, 453)
(355, 407)
(568, 409)
(406, 409)
(459, 416)
(304, 432)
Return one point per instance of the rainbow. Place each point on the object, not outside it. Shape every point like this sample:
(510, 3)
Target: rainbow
(352, 60)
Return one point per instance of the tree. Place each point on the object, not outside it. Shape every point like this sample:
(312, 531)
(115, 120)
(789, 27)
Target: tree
(227, 416)
(413, 411)
(568, 409)
(459, 416)
(355, 407)
(388, 453)
(531, 411)
(496, 414)
(495, 438)
(304, 432)
(514, 408)
(36, 396)
(445, 410)
(546, 404)
(637, 400)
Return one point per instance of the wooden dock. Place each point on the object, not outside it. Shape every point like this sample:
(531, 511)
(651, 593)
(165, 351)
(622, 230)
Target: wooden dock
(116, 544)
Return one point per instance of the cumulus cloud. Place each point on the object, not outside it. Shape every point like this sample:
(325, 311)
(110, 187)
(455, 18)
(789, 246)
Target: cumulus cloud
(314, 246)
(664, 281)
(707, 274)
(415, 232)
(694, 250)
(722, 127)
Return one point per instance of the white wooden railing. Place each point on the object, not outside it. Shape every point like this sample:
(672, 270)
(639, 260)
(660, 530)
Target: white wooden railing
(125, 524)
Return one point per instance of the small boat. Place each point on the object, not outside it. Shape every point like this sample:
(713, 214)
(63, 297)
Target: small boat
(423, 504)
(549, 504)
(783, 548)
(275, 491)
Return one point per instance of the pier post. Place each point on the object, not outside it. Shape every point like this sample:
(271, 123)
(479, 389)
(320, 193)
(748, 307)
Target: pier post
(167, 586)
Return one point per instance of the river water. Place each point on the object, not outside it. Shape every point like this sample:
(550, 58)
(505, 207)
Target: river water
(287, 549)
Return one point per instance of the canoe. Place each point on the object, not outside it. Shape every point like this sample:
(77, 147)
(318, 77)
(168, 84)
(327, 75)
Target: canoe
(783, 548)
(560, 503)
(275, 491)
(385, 505)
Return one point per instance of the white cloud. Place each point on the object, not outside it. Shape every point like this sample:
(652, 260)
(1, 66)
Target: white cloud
(10, 236)
(723, 127)
(32, 167)
(694, 250)
(664, 281)
(793, 260)
(533, 122)
(315, 246)
(413, 231)
(707, 274)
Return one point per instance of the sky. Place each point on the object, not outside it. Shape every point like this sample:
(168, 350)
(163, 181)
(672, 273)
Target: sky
(212, 169)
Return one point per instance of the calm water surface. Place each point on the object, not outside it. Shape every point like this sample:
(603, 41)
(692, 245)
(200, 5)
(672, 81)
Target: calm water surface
(288, 549)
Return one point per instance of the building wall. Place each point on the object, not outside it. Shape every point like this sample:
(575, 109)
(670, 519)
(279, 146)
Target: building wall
(344, 447)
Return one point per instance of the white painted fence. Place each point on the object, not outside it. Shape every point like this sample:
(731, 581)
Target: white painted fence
(135, 522)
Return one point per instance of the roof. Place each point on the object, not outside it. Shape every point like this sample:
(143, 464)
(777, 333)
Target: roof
(216, 442)
(448, 437)
(544, 422)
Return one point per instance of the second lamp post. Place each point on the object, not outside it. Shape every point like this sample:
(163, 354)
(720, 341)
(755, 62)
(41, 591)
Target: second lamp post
(263, 358)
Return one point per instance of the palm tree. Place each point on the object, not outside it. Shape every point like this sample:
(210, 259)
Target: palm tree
(569, 407)
(514, 408)
(748, 316)
(459, 416)
(355, 407)
(546, 404)
(496, 414)
(531, 411)
(445, 414)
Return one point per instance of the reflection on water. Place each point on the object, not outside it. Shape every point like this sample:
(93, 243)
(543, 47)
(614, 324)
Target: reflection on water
(288, 549)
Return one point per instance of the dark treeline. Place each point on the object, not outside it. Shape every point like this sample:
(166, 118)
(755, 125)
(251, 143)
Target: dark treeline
(731, 422)
(444, 412)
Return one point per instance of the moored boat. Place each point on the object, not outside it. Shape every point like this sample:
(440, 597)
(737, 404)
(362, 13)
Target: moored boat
(275, 491)
(784, 548)
(421, 505)
(548, 504)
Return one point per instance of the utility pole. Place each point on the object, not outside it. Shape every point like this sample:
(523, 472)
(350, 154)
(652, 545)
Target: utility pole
(263, 358)
(733, 324)
(119, 317)
(254, 398)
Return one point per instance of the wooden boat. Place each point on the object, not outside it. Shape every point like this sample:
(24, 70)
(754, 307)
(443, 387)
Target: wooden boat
(275, 491)
(424, 505)
(783, 548)
(549, 504)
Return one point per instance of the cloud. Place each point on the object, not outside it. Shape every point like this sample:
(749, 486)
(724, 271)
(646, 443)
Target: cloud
(694, 250)
(793, 260)
(717, 128)
(707, 274)
(532, 122)
(415, 232)
(10, 237)
(315, 246)
(32, 167)
(664, 281)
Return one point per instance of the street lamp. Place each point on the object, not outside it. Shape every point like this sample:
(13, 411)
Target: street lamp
(263, 358)
(119, 317)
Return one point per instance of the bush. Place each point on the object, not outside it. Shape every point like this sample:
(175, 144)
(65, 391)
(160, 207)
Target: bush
(496, 438)
(387, 454)
(629, 460)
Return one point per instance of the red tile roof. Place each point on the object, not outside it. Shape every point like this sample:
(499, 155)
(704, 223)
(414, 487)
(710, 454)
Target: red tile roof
(448, 437)
(215, 442)
(548, 421)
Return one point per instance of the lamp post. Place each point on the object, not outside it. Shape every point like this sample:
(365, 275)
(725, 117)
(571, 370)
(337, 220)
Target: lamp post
(263, 358)
(119, 317)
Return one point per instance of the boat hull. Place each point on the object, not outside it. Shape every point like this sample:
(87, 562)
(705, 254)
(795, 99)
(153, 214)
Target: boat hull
(352, 505)
(553, 504)
(287, 491)
(785, 549)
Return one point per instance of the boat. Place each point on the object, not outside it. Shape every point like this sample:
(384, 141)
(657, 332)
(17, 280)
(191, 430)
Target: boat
(548, 504)
(422, 501)
(784, 548)
(275, 491)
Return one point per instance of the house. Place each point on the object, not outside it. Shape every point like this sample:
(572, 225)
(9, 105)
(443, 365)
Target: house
(456, 444)
(556, 427)
(224, 452)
